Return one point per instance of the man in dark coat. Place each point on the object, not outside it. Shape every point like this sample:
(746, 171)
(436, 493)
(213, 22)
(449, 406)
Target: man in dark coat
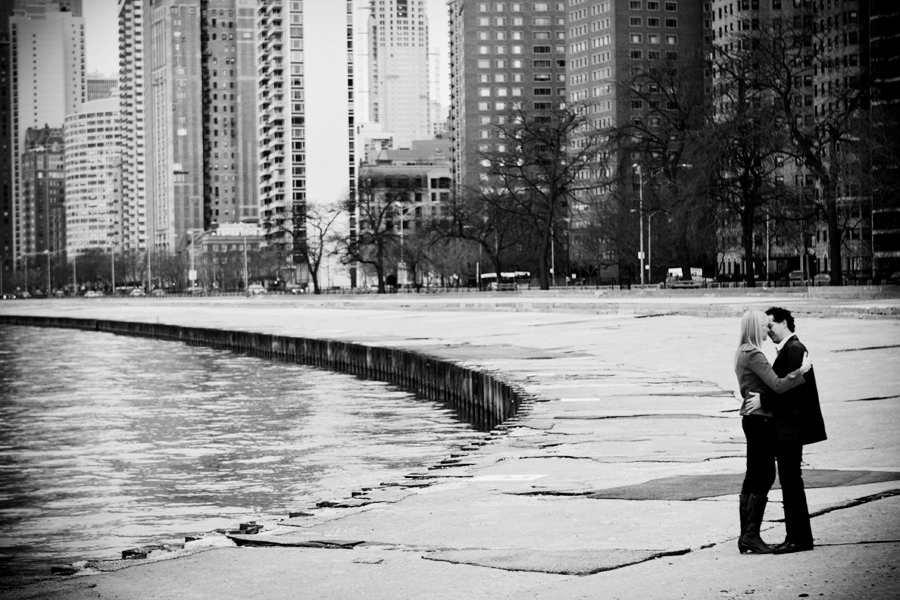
(798, 421)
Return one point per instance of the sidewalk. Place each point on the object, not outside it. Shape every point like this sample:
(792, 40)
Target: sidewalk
(618, 481)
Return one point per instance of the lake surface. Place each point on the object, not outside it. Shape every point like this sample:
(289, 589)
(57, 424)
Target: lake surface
(109, 442)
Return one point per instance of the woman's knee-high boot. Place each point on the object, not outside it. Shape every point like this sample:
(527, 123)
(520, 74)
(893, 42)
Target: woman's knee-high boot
(745, 499)
(750, 540)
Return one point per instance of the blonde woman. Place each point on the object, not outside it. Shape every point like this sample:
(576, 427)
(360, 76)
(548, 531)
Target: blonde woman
(755, 375)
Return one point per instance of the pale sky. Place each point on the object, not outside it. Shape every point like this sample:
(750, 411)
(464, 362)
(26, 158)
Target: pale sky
(102, 37)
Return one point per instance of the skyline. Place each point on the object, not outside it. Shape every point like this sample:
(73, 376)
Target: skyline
(102, 52)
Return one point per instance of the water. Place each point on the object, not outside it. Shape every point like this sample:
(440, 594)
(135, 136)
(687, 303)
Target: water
(108, 442)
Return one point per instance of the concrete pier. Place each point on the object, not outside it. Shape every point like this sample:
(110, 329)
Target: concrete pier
(617, 477)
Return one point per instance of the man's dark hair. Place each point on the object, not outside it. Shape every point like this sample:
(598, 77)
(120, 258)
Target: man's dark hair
(782, 315)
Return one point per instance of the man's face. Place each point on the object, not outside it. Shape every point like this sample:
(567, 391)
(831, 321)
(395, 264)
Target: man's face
(777, 331)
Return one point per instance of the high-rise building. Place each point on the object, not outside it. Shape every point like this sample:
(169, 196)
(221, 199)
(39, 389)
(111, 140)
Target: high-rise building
(93, 175)
(42, 215)
(398, 69)
(6, 197)
(193, 64)
(133, 124)
(306, 117)
(47, 83)
(613, 42)
(829, 50)
(98, 86)
(503, 56)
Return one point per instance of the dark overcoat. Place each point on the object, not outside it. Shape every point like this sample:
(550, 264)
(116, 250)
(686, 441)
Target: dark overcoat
(797, 414)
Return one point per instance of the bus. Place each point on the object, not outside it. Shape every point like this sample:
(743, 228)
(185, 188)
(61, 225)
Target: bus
(509, 281)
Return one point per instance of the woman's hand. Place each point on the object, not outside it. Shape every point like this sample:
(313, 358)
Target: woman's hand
(807, 365)
(753, 402)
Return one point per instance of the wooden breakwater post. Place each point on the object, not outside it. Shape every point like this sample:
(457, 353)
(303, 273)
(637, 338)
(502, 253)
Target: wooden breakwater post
(478, 398)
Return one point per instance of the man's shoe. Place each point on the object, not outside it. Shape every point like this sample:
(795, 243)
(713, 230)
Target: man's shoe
(789, 547)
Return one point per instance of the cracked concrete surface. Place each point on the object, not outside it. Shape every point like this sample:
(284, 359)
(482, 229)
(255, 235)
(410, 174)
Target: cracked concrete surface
(621, 475)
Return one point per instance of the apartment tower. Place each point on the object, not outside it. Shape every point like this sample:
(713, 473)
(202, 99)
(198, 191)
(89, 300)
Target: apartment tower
(133, 124)
(199, 82)
(305, 117)
(47, 83)
(94, 214)
(504, 56)
(398, 69)
(43, 187)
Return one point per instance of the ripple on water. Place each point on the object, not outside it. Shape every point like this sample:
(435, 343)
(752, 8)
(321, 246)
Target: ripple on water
(113, 442)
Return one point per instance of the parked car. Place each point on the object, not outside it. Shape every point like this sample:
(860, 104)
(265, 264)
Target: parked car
(295, 288)
(195, 290)
(256, 289)
(137, 293)
(157, 292)
(94, 294)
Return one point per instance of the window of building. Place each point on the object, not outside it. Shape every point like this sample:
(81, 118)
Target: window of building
(543, 91)
(635, 21)
(671, 39)
(541, 49)
(541, 21)
(652, 22)
(542, 64)
(671, 23)
(541, 7)
(653, 38)
(634, 4)
(652, 5)
(484, 64)
(636, 38)
(542, 35)
(671, 6)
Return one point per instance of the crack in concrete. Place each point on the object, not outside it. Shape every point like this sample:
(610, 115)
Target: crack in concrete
(873, 398)
(869, 348)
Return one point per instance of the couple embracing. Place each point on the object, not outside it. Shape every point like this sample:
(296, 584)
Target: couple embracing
(781, 414)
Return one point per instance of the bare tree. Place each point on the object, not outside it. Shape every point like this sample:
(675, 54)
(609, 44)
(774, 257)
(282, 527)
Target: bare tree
(379, 206)
(818, 93)
(662, 154)
(312, 244)
(546, 156)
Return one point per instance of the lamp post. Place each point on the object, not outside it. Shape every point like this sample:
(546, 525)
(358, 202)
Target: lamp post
(245, 262)
(650, 216)
(640, 173)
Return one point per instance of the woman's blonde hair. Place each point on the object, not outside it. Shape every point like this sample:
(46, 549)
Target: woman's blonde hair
(751, 324)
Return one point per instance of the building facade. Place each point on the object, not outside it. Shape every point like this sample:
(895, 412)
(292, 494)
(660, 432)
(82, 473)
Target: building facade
(6, 198)
(398, 69)
(47, 83)
(94, 212)
(136, 219)
(188, 83)
(419, 179)
(504, 56)
(840, 34)
(306, 118)
(98, 86)
(42, 214)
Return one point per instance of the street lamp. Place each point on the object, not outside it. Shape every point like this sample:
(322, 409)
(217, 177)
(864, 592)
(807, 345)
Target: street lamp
(640, 173)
